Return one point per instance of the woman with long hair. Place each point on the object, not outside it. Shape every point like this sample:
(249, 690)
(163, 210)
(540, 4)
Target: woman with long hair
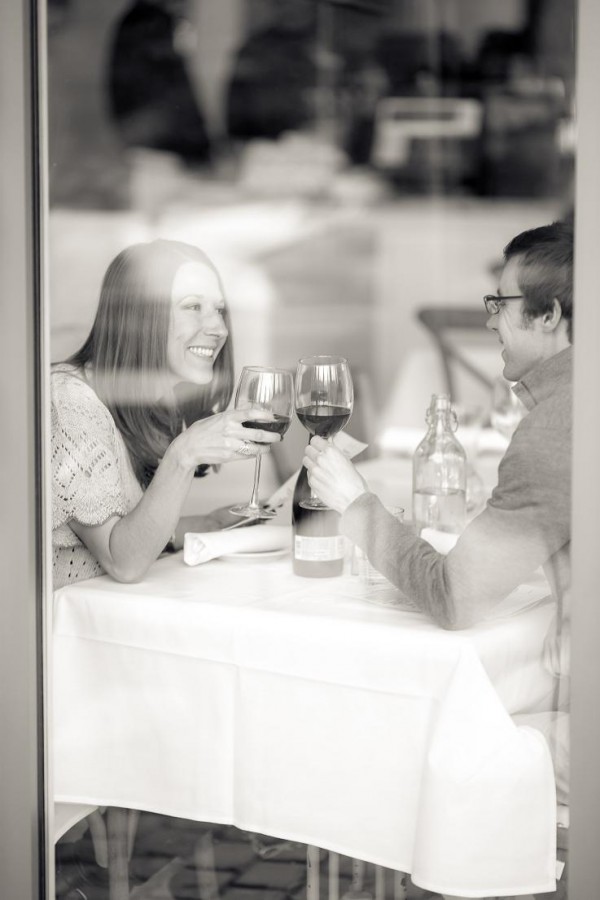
(139, 410)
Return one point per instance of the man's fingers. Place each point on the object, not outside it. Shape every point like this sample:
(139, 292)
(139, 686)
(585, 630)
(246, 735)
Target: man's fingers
(318, 443)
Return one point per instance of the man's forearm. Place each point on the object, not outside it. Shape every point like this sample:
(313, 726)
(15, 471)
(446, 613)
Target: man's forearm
(407, 561)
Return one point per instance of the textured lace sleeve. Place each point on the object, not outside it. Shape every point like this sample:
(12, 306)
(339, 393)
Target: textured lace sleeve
(87, 480)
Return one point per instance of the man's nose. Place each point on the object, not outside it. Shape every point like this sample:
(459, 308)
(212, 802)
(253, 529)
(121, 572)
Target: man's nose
(491, 322)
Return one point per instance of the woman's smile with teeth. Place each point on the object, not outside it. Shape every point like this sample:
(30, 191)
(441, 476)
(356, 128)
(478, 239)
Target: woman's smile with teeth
(202, 351)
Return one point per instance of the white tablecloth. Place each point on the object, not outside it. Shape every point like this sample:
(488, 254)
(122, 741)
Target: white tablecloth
(236, 692)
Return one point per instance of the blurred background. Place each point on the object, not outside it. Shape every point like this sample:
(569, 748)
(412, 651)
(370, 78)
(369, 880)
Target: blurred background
(354, 168)
(346, 163)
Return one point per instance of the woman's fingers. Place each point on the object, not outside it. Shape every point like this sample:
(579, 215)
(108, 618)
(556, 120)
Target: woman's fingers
(260, 436)
(237, 426)
(251, 448)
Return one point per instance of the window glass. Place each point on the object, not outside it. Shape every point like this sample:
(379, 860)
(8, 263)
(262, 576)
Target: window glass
(345, 177)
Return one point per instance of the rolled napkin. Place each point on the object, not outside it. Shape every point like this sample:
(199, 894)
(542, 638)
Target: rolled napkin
(204, 546)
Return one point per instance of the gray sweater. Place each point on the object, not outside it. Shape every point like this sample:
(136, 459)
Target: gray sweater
(526, 523)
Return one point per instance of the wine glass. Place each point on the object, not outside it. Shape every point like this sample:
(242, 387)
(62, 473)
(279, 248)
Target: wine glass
(324, 398)
(507, 410)
(271, 392)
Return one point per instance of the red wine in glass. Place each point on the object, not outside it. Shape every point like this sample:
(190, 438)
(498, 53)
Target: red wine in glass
(270, 393)
(279, 425)
(324, 399)
(323, 420)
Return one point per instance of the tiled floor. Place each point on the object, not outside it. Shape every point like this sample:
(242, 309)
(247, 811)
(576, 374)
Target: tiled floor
(164, 866)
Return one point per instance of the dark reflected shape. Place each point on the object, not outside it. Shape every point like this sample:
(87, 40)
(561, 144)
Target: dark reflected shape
(272, 83)
(150, 95)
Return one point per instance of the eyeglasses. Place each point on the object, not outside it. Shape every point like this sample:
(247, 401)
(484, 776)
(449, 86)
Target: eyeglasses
(493, 302)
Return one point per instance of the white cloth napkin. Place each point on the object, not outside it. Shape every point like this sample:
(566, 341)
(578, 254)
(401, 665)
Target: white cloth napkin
(200, 547)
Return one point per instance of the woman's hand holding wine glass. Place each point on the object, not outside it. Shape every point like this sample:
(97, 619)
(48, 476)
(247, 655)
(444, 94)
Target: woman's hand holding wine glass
(267, 396)
(324, 401)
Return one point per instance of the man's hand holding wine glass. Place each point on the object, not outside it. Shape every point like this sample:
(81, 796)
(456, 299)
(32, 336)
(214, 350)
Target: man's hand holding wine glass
(331, 475)
(324, 401)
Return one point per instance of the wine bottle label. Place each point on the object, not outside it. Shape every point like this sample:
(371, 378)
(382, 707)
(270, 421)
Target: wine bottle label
(319, 549)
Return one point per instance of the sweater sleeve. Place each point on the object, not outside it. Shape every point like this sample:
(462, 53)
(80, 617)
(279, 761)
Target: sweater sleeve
(524, 524)
(86, 476)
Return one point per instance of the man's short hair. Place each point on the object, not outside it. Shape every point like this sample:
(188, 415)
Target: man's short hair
(545, 269)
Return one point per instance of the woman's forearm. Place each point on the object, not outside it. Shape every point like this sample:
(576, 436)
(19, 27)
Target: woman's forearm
(138, 538)
(193, 523)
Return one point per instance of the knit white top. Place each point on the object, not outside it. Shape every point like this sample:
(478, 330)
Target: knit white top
(92, 476)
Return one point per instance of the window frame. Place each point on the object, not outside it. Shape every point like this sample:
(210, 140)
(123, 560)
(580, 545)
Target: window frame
(25, 849)
(25, 810)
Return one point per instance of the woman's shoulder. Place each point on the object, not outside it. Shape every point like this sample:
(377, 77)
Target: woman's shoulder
(73, 399)
(67, 382)
(65, 375)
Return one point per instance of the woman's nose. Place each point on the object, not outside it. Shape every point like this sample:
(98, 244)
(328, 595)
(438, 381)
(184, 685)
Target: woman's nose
(217, 326)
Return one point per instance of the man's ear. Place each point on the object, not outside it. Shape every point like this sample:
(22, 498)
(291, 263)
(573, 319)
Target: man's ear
(552, 319)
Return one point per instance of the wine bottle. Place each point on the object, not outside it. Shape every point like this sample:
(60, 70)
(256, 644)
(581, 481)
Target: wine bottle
(318, 547)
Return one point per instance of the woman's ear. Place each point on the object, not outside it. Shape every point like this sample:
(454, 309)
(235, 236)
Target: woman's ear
(552, 318)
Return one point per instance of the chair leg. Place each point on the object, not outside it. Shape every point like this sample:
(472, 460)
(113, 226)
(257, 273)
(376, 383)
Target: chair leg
(400, 885)
(357, 888)
(206, 878)
(97, 828)
(379, 883)
(313, 861)
(133, 817)
(118, 859)
(334, 876)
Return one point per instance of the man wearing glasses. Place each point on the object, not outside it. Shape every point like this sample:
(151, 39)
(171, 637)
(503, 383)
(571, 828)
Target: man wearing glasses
(526, 523)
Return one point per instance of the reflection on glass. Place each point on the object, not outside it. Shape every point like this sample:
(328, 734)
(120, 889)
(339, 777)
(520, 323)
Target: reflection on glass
(353, 162)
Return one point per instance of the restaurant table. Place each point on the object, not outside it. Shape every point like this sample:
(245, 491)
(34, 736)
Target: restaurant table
(315, 710)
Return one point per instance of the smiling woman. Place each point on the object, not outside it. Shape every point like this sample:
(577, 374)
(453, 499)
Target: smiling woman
(197, 331)
(139, 409)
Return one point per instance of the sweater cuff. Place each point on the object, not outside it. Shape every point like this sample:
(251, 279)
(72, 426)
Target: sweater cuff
(356, 518)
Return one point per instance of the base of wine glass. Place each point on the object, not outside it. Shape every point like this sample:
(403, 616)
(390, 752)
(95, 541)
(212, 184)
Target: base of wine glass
(313, 503)
(253, 512)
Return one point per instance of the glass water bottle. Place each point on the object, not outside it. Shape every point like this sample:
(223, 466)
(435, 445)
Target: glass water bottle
(440, 472)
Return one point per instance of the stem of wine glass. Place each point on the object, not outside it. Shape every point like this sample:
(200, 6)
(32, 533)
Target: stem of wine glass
(314, 497)
(254, 504)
